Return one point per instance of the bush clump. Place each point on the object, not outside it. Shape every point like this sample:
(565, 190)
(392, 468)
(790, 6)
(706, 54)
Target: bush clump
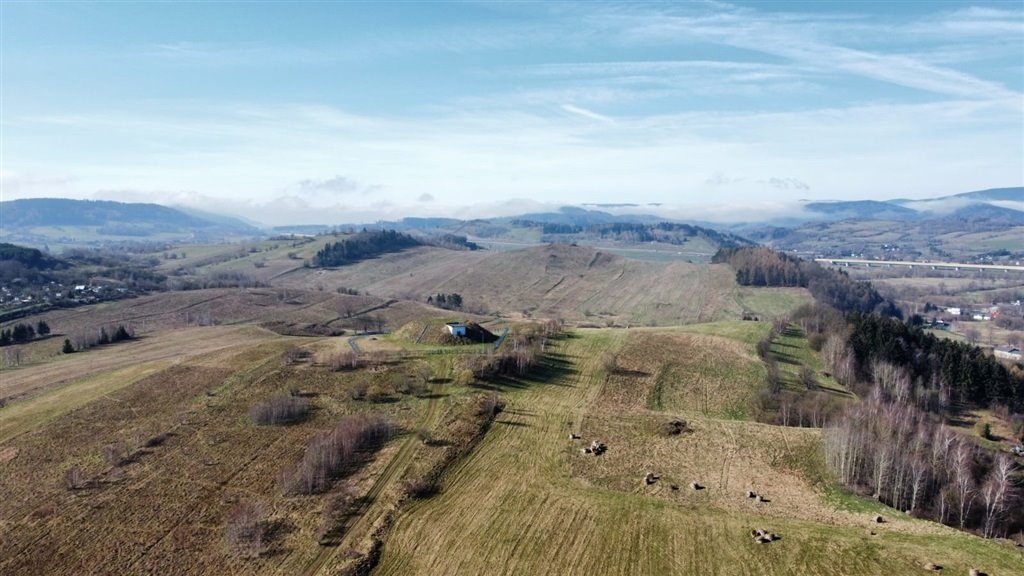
(246, 530)
(280, 410)
(329, 455)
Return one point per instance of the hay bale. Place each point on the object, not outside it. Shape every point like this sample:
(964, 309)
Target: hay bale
(750, 494)
(759, 498)
(696, 486)
(974, 572)
(932, 567)
(754, 533)
(673, 427)
(674, 487)
(585, 450)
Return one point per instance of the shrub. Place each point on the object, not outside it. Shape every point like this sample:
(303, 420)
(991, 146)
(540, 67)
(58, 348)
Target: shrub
(673, 427)
(424, 435)
(293, 354)
(808, 378)
(816, 341)
(68, 347)
(74, 478)
(984, 430)
(379, 392)
(279, 410)
(610, 363)
(357, 390)
(490, 405)
(419, 488)
(764, 348)
(332, 453)
(246, 530)
(157, 440)
(336, 508)
(115, 454)
(345, 360)
(772, 377)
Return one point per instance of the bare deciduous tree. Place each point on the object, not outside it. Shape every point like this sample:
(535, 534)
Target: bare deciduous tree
(246, 530)
(997, 493)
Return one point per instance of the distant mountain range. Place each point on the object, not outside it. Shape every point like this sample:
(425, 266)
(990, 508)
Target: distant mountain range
(1005, 204)
(44, 221)
(38, 221)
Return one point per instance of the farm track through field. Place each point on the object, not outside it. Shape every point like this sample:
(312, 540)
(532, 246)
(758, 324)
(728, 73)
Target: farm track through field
(359, 525)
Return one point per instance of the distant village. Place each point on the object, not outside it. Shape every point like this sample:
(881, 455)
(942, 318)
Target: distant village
(1006, 316)
(16, 296)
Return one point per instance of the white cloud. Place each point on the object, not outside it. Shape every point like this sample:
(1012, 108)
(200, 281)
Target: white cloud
(587, 113)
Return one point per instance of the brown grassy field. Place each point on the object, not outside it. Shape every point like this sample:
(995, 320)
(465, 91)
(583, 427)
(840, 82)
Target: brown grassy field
(165, 509)
(527, 502)
(573, 282)
(523, 501)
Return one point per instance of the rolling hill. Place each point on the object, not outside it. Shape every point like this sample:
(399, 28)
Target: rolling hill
(38, 221)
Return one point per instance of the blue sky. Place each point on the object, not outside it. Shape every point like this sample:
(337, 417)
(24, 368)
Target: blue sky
(331, 112)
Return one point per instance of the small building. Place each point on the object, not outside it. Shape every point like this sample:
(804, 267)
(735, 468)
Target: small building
(1008, 353)
(457, 329)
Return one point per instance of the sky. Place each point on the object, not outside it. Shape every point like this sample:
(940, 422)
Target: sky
(328, 112)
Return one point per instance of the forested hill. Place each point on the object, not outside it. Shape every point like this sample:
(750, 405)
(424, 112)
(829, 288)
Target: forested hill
(27, 257)
(41, 221)
(362, 246)
(67, 212)
(766, 267)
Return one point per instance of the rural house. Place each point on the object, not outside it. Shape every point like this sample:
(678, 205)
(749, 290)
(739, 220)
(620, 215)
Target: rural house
(456, 328)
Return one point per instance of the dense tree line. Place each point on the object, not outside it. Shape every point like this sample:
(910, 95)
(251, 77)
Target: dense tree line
(894, 444)
(887, 447)
(451, 301)
(951, 371)
(91, 338)
(21, 333)
(362, 246)
(664, 232)
(766, 267)
(454, 242)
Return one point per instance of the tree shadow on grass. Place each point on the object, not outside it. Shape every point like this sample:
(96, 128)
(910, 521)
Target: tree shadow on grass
(509, 423)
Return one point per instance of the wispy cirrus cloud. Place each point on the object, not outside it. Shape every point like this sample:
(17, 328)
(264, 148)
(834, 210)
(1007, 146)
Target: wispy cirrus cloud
(590, 114)
(800, 38)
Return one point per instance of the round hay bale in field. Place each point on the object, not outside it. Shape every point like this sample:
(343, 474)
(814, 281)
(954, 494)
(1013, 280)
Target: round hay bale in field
(750, 494)
(974, 572)
(673, 427)
(696, 486)
(932, 567)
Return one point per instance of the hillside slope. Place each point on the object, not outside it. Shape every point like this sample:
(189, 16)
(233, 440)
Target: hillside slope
(577, 283)
(61, 220)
